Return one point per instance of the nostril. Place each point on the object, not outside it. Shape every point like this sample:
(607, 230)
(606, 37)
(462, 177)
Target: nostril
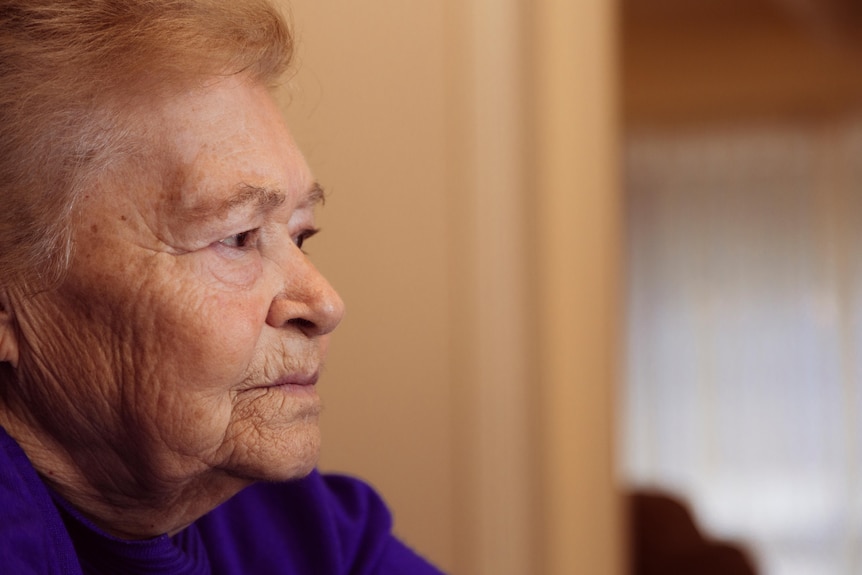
(302, 323)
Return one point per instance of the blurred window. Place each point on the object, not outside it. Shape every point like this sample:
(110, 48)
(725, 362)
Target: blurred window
(744, 353)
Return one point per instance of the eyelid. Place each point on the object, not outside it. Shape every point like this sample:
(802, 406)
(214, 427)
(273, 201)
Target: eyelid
(251, 236)
(304, 235)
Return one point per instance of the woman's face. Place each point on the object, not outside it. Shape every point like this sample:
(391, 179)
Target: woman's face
(191, 329)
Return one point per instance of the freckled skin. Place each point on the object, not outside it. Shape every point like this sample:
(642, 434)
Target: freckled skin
(142, 384)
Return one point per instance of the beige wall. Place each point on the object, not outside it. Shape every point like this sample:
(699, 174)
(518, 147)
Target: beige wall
(471, 379)
(368, 109)
(579, 230)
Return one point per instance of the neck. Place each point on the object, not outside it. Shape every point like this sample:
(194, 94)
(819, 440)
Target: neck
(119, 500)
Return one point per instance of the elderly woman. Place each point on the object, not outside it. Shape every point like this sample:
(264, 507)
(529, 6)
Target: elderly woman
(161, 329)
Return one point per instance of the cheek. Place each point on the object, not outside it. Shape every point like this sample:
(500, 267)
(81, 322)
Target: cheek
(205, 350)
(208, 314)
(214, 340)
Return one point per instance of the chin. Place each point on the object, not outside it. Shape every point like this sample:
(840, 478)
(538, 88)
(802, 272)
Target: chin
(289, 458)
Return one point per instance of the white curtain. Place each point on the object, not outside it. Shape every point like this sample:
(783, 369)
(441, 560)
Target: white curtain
(742, 391)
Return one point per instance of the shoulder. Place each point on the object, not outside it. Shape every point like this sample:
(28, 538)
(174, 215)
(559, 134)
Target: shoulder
(33, 539)
(326, 524)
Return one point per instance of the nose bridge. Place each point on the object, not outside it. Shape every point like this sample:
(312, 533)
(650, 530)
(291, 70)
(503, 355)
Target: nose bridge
(304, 297)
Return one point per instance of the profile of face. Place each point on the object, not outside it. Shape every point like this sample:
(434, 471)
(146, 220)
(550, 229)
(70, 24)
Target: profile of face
(182, 349)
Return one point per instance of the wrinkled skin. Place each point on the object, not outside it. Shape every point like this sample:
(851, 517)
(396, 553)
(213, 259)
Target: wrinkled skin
(175, 363)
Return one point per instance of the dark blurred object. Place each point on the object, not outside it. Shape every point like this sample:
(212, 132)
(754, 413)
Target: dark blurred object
(719, 61)
(665, 541)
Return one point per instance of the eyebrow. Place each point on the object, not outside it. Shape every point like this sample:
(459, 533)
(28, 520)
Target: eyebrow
(316, 195)
(261, 198)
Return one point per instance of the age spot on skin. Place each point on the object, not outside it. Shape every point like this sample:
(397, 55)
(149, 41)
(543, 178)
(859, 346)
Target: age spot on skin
(94, 228)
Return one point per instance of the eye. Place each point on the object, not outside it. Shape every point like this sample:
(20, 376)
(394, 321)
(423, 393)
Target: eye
(304, 235)
(241, 240)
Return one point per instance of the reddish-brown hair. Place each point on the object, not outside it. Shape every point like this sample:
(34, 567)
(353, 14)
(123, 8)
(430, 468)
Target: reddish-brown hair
(68, 69)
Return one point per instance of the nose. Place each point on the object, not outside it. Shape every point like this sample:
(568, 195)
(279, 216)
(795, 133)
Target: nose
(306, 301)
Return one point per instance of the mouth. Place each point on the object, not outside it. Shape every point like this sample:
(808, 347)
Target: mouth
(296, 381)
(297, 384)
(300, 384)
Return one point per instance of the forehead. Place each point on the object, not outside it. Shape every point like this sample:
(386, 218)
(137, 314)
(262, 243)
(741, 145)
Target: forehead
(225, 137)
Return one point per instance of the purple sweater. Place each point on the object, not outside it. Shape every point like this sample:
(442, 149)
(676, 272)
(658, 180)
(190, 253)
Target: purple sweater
(319, 525)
